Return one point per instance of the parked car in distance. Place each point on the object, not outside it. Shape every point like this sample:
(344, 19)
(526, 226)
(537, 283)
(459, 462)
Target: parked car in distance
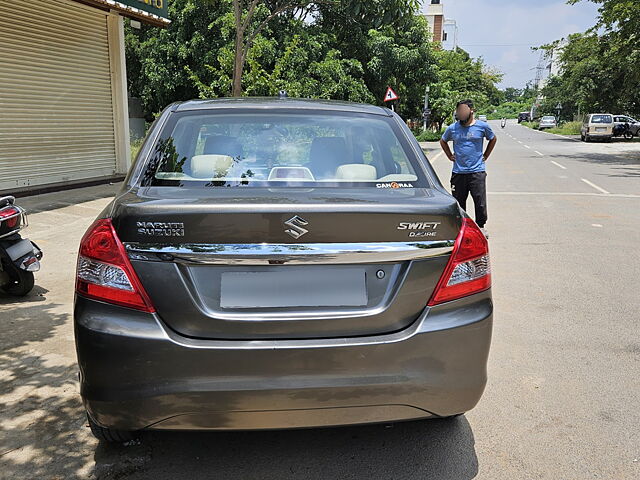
(280, 263)
(482, 118)
(548, 121)
(524, 117)
(597, 125)
(634, 125)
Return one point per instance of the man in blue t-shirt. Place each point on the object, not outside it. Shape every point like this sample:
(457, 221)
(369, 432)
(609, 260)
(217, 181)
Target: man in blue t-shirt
(469, 175)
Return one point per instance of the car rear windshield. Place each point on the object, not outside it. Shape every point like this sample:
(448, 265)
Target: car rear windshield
(601, 119)
(548, 119)
(292, 148)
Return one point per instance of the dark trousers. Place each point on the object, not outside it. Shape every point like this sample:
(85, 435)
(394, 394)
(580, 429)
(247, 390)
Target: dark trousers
(463, 184)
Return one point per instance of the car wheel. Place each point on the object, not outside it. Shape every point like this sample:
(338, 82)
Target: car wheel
(587, 139)
(110, 435)
(582, 137)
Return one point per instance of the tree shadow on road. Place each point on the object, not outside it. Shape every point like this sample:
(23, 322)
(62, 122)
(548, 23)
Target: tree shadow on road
(434, 449)
(42, 434)
(623, 164)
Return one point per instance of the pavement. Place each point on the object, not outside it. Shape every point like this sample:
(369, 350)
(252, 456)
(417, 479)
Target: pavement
(563, 398)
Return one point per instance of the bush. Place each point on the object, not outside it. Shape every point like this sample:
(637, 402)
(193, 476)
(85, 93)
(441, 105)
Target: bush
(135, 144)
(429, 136)
(533, 125)
(567, 128)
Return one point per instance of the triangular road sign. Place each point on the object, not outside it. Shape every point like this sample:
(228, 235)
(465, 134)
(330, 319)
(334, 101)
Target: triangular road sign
(391, 95)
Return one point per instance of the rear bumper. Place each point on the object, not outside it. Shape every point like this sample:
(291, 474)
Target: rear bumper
(136, 373)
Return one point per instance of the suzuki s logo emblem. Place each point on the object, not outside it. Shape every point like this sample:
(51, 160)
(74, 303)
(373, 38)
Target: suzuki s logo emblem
(296, 226)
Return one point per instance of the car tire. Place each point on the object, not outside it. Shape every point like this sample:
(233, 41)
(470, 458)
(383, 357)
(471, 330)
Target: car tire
(21, 283)
(587, 139)
(450, 417)
(110, 435)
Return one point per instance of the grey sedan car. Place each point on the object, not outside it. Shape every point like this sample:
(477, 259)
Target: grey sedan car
(280, 263)
(548, 121)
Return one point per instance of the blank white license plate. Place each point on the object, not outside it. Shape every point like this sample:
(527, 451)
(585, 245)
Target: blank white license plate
(601, 129)
(294, 287)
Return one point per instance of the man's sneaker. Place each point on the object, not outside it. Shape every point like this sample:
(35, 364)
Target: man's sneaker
(484, 230)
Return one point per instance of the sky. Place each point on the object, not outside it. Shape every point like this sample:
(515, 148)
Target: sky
(503, 31)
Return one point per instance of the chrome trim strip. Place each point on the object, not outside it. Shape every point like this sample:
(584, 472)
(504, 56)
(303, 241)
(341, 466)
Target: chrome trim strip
(278, 254)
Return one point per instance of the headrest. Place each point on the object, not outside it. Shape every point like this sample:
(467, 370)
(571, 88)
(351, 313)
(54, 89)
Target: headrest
(325, 155)
(210, 166)
(223, 145)
(357, 172)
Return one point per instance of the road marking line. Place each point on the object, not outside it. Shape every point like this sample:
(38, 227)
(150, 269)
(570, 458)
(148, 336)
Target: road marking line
(432, 160)
(527, 146)
(558, 165)
(570, 194)
(519, 142)
(541, 154)
(597, 225)
(591, 184)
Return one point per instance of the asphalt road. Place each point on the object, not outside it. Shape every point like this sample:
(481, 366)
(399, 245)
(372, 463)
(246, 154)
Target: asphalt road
(563, 399)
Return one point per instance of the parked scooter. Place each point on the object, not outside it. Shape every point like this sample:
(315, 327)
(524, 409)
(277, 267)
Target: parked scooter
(623, 130)
(19, 257)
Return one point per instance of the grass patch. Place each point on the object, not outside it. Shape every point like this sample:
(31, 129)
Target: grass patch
(429, 136)
(135, 147)
(568, 128)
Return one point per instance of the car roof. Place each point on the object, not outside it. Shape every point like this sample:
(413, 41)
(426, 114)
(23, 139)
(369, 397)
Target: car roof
(272, 103)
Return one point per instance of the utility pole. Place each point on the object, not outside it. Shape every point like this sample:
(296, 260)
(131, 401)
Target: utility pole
(426, 113)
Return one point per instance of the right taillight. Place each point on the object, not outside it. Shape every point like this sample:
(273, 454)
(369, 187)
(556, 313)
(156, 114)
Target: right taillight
(104, 271)
(468, 270)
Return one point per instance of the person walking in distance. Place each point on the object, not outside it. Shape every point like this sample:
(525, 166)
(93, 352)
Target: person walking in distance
(469, 174)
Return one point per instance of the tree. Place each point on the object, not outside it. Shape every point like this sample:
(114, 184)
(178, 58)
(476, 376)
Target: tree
(600, 68)
(245, 13)
(347, 50)
(160, 61)
(460, 77)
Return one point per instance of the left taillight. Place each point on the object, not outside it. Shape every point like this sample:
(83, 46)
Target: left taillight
(104, 271)
(10, 216)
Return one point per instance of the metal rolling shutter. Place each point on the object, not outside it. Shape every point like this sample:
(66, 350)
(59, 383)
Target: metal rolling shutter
(56, 110)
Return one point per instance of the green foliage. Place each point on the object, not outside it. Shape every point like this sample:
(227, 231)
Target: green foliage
(429, 135)
(567, 128)
(135, 145)
(514, 101)
(600, 69)
(459, 77)
(403, 58)
(346, 50)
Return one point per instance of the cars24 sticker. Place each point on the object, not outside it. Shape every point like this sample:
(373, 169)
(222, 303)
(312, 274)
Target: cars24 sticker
(394, 185)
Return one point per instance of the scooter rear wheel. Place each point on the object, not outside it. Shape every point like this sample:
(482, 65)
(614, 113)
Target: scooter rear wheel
(21, 283)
